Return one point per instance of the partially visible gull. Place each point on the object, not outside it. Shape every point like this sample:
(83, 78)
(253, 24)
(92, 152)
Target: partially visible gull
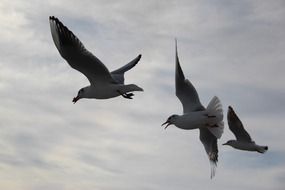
(244, 141)
(103, 84)
(208, 120)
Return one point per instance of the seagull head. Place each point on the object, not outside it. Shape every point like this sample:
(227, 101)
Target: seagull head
(80, 95)
(170, 121)
(230, 142)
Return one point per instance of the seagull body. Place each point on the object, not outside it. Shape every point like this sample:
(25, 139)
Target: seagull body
(199, 119)
(244, 141)
(103, 84)
(248, 146)
(195, 115)
(193, 120)
(106, 90)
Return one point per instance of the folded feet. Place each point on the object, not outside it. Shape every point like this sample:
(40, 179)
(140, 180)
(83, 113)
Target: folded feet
(126, 95)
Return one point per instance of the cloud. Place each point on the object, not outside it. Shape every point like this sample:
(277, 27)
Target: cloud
(229, 49)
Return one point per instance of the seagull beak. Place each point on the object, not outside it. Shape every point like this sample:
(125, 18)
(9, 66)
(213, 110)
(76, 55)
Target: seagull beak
(75, 99)
(167, 122)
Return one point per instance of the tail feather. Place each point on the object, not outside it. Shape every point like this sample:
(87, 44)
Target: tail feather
(215, 108)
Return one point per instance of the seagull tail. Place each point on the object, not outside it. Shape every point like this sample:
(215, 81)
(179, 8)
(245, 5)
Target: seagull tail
(215, 109)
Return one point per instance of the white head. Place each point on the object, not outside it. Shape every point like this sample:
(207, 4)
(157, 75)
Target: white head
(230, 143)
(171, 120)
(82, 93)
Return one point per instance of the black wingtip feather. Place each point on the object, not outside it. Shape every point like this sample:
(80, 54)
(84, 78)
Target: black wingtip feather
(66, 36)
(179, 72)
(266, 147)
(54, 18)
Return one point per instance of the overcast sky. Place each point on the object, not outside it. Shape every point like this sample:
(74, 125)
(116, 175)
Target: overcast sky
(232, 49)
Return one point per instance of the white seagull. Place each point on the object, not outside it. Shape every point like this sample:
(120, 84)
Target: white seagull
(208, 120)
(244, 141)
(103, 84)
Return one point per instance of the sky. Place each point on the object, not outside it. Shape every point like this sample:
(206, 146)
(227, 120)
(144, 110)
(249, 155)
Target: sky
(231, 49)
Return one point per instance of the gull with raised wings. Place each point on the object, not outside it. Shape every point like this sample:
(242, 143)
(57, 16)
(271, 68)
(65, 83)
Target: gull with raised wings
(243, 140)
(195, 116)
(103, 84)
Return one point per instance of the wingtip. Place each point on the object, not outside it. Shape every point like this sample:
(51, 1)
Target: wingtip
(52, 18)
(213, 166)
(176, 52)
(266, 147)
(179, 72)
(231, 111)
(55, 19)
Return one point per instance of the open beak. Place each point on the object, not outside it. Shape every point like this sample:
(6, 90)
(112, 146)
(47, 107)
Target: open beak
(75, 99)
(167, 122)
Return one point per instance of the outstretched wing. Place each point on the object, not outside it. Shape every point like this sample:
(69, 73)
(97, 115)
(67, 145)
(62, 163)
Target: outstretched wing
(77, 56)
(118, 74)
(236, 126)
(211, 147)
(185, 91)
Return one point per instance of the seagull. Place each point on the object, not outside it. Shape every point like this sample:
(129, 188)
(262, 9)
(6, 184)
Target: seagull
(103, 84)
(244, 141)
(195, 116)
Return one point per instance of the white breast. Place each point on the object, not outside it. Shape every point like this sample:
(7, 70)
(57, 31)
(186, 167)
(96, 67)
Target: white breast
(192, 120)
(104, 91)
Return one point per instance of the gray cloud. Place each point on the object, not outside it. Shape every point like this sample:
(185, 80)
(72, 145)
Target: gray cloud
(227, 48)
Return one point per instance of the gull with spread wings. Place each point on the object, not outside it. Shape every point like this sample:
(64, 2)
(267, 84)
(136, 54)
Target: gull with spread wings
(195, 116)
(244, 141)
(103, 84)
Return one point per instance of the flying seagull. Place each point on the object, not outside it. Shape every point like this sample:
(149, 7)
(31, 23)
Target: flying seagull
(195, 116)
(103, 84)
(244, 141)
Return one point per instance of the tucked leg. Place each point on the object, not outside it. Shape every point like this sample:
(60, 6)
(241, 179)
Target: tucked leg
(126, 95)
(210, 116)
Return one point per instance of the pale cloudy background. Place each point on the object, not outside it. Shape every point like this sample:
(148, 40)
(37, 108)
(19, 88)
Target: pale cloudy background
(232, 49)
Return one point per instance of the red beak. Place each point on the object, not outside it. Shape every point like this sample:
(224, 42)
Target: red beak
(167, 122)
(75, 99)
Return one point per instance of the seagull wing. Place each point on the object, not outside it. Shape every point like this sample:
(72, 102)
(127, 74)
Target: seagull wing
(189, 98)
(211, 147)
(77, 56)
(118, 74)
(128, 66)
(236, 126)
(185, 91)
